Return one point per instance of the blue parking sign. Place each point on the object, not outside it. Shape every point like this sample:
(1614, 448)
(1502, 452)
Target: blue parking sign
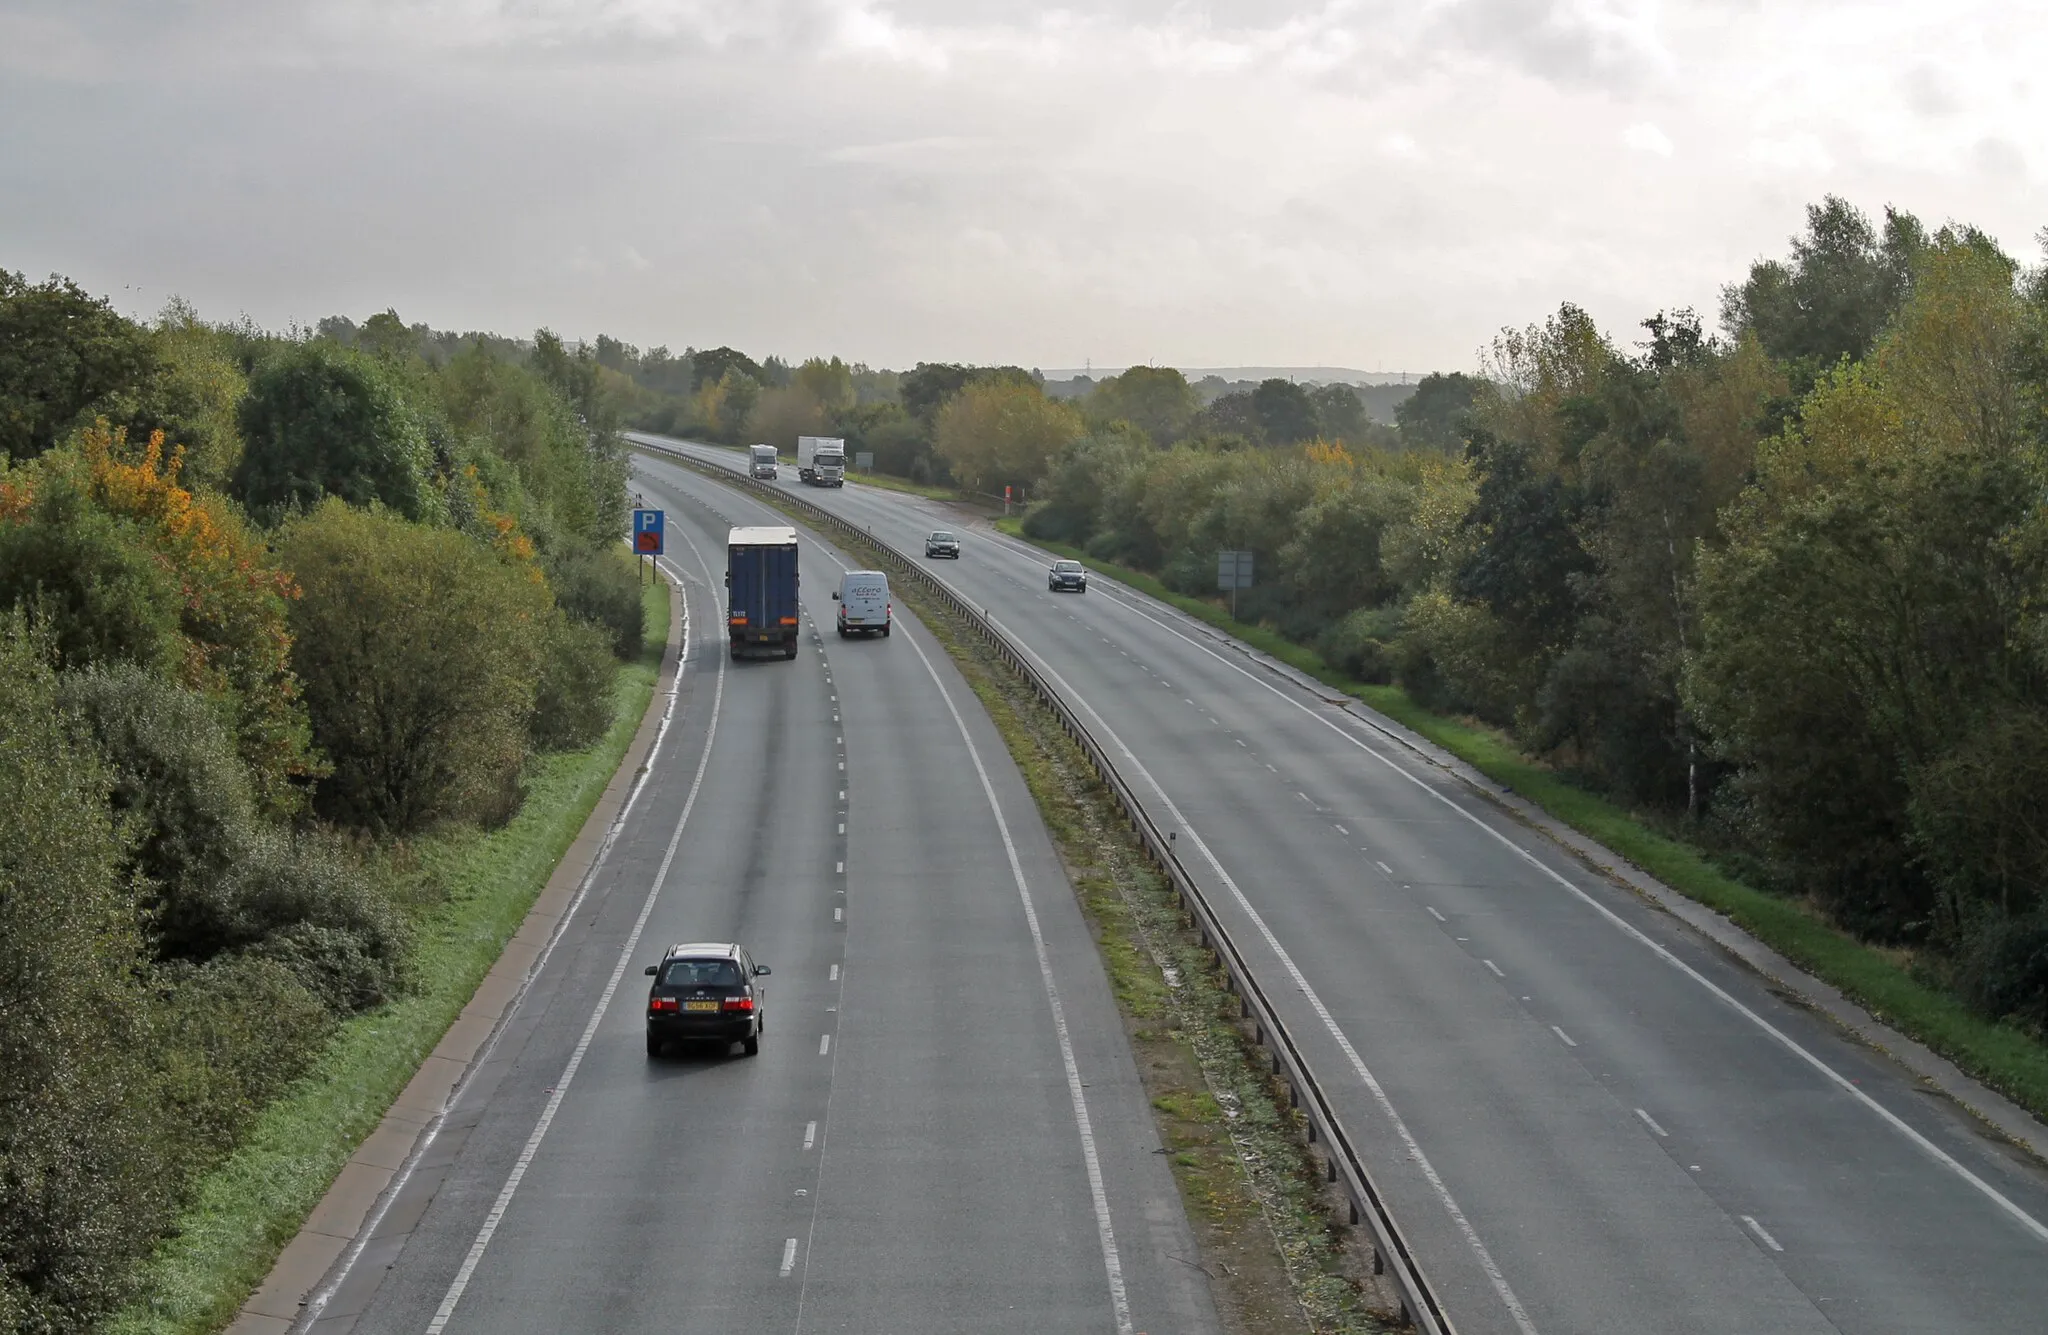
(647, 533)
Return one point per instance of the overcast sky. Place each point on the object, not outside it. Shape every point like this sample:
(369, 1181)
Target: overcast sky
(1379, 184)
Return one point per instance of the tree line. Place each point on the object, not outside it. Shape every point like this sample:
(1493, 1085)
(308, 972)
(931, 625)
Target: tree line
(271, 606)
(1783, 589)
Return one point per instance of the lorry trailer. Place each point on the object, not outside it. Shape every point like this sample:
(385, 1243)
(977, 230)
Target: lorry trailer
(760, 591)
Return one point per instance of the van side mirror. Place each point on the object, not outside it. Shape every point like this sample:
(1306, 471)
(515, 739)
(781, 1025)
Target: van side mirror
(652, 970)
(762, 969)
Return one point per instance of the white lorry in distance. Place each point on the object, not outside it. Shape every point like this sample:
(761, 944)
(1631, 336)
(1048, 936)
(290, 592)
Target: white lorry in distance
(821, 460)
(763, 462)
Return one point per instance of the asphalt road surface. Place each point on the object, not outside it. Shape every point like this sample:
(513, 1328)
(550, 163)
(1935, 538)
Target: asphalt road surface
(1584, 1115)
(944, 1130)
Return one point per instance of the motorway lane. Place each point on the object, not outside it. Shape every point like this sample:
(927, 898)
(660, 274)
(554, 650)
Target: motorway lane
(1632, 1151)
(873, 1169)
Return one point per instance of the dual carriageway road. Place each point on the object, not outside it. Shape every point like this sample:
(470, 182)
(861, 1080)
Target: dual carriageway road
(944, 1130)
(1585, 1116)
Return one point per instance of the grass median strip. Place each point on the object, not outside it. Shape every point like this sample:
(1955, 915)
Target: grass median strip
(1267, 1228)
(2000, 1056)
(471, 891)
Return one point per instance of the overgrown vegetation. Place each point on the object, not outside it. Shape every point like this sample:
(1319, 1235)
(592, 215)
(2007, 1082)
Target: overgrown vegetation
(276, 615)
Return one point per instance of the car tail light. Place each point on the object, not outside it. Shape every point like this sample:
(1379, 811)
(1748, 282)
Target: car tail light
(663, 1004)
(739, 1003)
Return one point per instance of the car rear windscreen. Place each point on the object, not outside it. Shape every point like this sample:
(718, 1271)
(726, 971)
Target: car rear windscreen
(700, 973)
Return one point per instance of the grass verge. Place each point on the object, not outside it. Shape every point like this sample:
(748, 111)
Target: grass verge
(2000, 1056)
(888, 483)
(480, 886)
(1267, 1229)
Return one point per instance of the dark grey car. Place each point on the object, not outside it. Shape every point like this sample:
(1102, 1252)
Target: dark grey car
(705, 992)
(942, 544)
(1067, 575)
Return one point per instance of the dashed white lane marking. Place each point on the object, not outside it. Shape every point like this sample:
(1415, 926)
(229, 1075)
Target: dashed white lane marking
(788, 1256)
(842, 764)
(824, 1044)
(1346, 833)
(833, 976)
(1304, 797)
(838, 915)
(1495, 967)
(1269, 766)
(1841, 1082)
(1238, 740)
(503, 1203)
(1388, 870)
(1568, 1041)
(1184, 700)
(841, 741)
(810, 1134)
(1112, 1262)
(842, 794)
(1651, 1122)
(1760, 1231)
(842, 827)
(839, 867)
(1434, 914)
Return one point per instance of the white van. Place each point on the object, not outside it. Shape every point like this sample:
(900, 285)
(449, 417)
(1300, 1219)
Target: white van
(863, 600)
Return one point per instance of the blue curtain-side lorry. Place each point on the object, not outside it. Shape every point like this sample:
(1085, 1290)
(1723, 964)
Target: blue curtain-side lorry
(760, 591)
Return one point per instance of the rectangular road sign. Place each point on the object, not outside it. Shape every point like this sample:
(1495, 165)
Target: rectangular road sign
(648, 532)
(864, 460)
(1233, 570)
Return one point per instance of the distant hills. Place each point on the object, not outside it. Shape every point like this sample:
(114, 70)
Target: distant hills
(1319, 375)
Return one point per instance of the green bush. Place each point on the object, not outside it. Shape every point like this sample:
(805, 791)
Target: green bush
(323, 420)
(573, 703)
(603, 589)
(1362, 644)
(85, 1182)
(228, 1036)
(419, 652)
(86, 580)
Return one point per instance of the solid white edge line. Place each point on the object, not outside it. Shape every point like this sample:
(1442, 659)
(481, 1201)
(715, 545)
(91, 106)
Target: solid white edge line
(1112, 1263)
(604, 1001)
(317, 1301)
(1763, 1233)
(1651, 1122)
(1413, 1148)
(1840, 1081)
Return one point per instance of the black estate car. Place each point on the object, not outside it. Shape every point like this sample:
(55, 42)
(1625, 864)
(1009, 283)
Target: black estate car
(705, 992)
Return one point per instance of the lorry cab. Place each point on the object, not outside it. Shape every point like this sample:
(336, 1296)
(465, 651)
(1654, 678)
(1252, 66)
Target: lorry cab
(763, 462)
(864, 605)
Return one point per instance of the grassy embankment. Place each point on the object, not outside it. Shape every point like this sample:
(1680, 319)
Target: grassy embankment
(468, 892)
(2002, 1057)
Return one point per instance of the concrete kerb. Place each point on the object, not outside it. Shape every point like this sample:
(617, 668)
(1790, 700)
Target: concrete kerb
(336, 1220)
(2001, 1114)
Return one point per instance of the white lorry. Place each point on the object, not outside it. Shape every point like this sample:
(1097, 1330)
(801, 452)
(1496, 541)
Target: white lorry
(821, 460)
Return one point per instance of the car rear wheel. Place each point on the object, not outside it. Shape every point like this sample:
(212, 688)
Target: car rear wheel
(753, 1046)
(653, 1046)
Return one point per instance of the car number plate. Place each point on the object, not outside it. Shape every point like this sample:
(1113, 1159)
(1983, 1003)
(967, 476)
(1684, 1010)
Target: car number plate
(700, 1005)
